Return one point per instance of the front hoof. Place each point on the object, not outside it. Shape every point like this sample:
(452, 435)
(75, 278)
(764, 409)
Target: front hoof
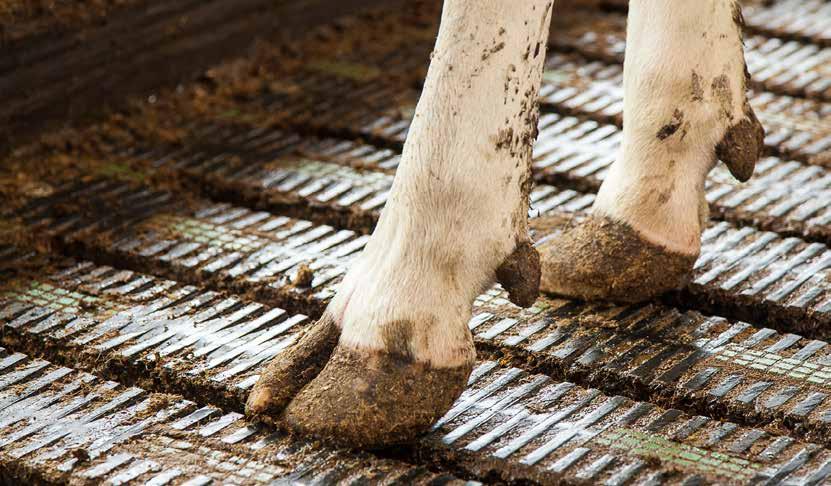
(292, 369)
(601, 259)
(372, 399)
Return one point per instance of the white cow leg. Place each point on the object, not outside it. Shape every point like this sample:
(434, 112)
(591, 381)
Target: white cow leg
(684, 108)
(394, 346)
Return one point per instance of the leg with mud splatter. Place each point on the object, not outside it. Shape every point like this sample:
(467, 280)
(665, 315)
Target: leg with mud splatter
(393, 351)
(684, 108)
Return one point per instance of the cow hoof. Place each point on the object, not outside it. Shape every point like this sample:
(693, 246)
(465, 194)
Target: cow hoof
(292, 369)
(601, 259)
(374, 399)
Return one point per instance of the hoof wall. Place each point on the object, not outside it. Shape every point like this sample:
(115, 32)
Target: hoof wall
(601, 259)
(374, 400)
(290, 371)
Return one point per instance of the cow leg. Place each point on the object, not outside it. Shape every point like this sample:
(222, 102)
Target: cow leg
(684, 108)
(394, 344)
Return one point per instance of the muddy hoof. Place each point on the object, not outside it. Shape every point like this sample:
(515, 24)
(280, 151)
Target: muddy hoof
(600, 259)
(374, 400)
(291, 370)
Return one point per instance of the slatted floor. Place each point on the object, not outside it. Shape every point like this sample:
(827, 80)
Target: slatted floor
(142, 289)
(524, 425)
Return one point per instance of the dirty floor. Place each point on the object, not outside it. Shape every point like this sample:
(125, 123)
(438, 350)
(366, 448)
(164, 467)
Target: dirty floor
(154, 258)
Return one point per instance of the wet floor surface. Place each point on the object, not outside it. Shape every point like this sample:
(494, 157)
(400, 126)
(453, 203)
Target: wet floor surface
(153, 266)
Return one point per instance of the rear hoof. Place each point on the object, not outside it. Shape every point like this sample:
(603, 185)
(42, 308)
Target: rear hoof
(374, 399)
(601, 259)
(291, 370)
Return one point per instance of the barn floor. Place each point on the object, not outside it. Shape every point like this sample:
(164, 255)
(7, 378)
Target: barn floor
(151, 262)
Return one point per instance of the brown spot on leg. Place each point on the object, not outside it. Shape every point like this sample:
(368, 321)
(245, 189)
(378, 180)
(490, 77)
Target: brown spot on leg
(697, 87)
(493, 50)
(504, 138)
(742, 146)
(397, 337)
(292, 369)
(374, 399)
(665, 195)
(520, 273)
(723, 95)
(670, 128)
